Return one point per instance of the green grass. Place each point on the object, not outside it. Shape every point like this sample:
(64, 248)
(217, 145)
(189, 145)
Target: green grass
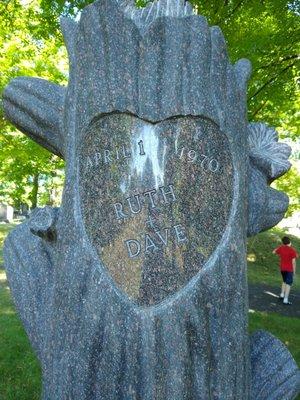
(263, 266)
(20, 371)
(20, 375)
(284, 328)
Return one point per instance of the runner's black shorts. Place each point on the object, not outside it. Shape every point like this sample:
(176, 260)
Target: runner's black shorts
(287, 277)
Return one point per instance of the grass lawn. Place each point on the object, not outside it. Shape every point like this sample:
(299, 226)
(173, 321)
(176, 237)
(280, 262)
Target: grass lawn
(19, 369)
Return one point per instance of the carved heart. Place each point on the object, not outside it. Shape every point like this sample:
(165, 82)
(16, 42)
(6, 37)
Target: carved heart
(155, 199)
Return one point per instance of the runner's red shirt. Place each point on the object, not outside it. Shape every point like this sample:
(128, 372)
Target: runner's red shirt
(286, 254)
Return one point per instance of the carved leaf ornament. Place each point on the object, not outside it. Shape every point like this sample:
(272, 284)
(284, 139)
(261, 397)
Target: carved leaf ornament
(266, 152)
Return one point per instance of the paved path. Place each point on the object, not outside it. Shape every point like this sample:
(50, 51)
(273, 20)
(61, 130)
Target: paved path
(266, 298)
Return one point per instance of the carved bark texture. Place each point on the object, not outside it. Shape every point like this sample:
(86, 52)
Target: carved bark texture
(92, 341)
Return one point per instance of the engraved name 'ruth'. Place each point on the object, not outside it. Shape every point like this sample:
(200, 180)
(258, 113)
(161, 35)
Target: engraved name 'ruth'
(152, 197)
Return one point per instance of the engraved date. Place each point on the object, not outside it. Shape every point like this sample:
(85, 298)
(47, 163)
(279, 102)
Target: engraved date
(193, 156)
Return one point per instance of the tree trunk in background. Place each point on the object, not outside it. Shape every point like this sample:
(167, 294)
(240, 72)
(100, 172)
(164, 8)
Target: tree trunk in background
(35, 190)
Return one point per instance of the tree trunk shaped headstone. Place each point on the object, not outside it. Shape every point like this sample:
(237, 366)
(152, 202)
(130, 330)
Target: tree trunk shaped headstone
(136, 287)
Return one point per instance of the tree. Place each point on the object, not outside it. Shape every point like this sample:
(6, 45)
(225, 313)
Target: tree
(24, 165)
(26, 171)
(265, 31)
(268, 34)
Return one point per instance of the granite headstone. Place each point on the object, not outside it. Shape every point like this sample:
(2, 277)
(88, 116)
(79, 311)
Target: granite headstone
(6, 213)
(136, 287)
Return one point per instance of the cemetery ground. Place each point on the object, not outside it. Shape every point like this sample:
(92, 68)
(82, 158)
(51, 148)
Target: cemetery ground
(20, 372)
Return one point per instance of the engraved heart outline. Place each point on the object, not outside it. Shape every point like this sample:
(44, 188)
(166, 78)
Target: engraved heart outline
(103, 265)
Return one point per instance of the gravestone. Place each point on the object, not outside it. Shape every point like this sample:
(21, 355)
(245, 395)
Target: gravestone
(136, 287)
(6, 213)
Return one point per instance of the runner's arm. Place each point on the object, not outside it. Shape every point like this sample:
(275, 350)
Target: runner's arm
(294, 266)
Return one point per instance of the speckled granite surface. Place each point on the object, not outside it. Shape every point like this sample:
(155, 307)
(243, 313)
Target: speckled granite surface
(275, 374)
(136, 287)
(155, 199)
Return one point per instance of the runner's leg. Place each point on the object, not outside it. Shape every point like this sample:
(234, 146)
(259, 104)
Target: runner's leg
(282, 290)
(286, 293)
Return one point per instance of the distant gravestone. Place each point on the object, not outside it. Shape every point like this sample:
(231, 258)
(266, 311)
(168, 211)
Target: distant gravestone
(136, 287)
(6, 213)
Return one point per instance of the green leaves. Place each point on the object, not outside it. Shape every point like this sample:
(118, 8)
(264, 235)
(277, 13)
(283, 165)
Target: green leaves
(265, 31)
(21, 160)
(24, 52)
(268, 34)
(290, 183)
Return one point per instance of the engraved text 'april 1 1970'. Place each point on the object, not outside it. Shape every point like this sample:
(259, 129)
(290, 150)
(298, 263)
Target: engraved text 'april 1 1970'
(150, 199)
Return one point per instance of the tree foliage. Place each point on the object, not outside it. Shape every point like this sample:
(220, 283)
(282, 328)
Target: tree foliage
(24, 52)
(291, 184)
(265, 31)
